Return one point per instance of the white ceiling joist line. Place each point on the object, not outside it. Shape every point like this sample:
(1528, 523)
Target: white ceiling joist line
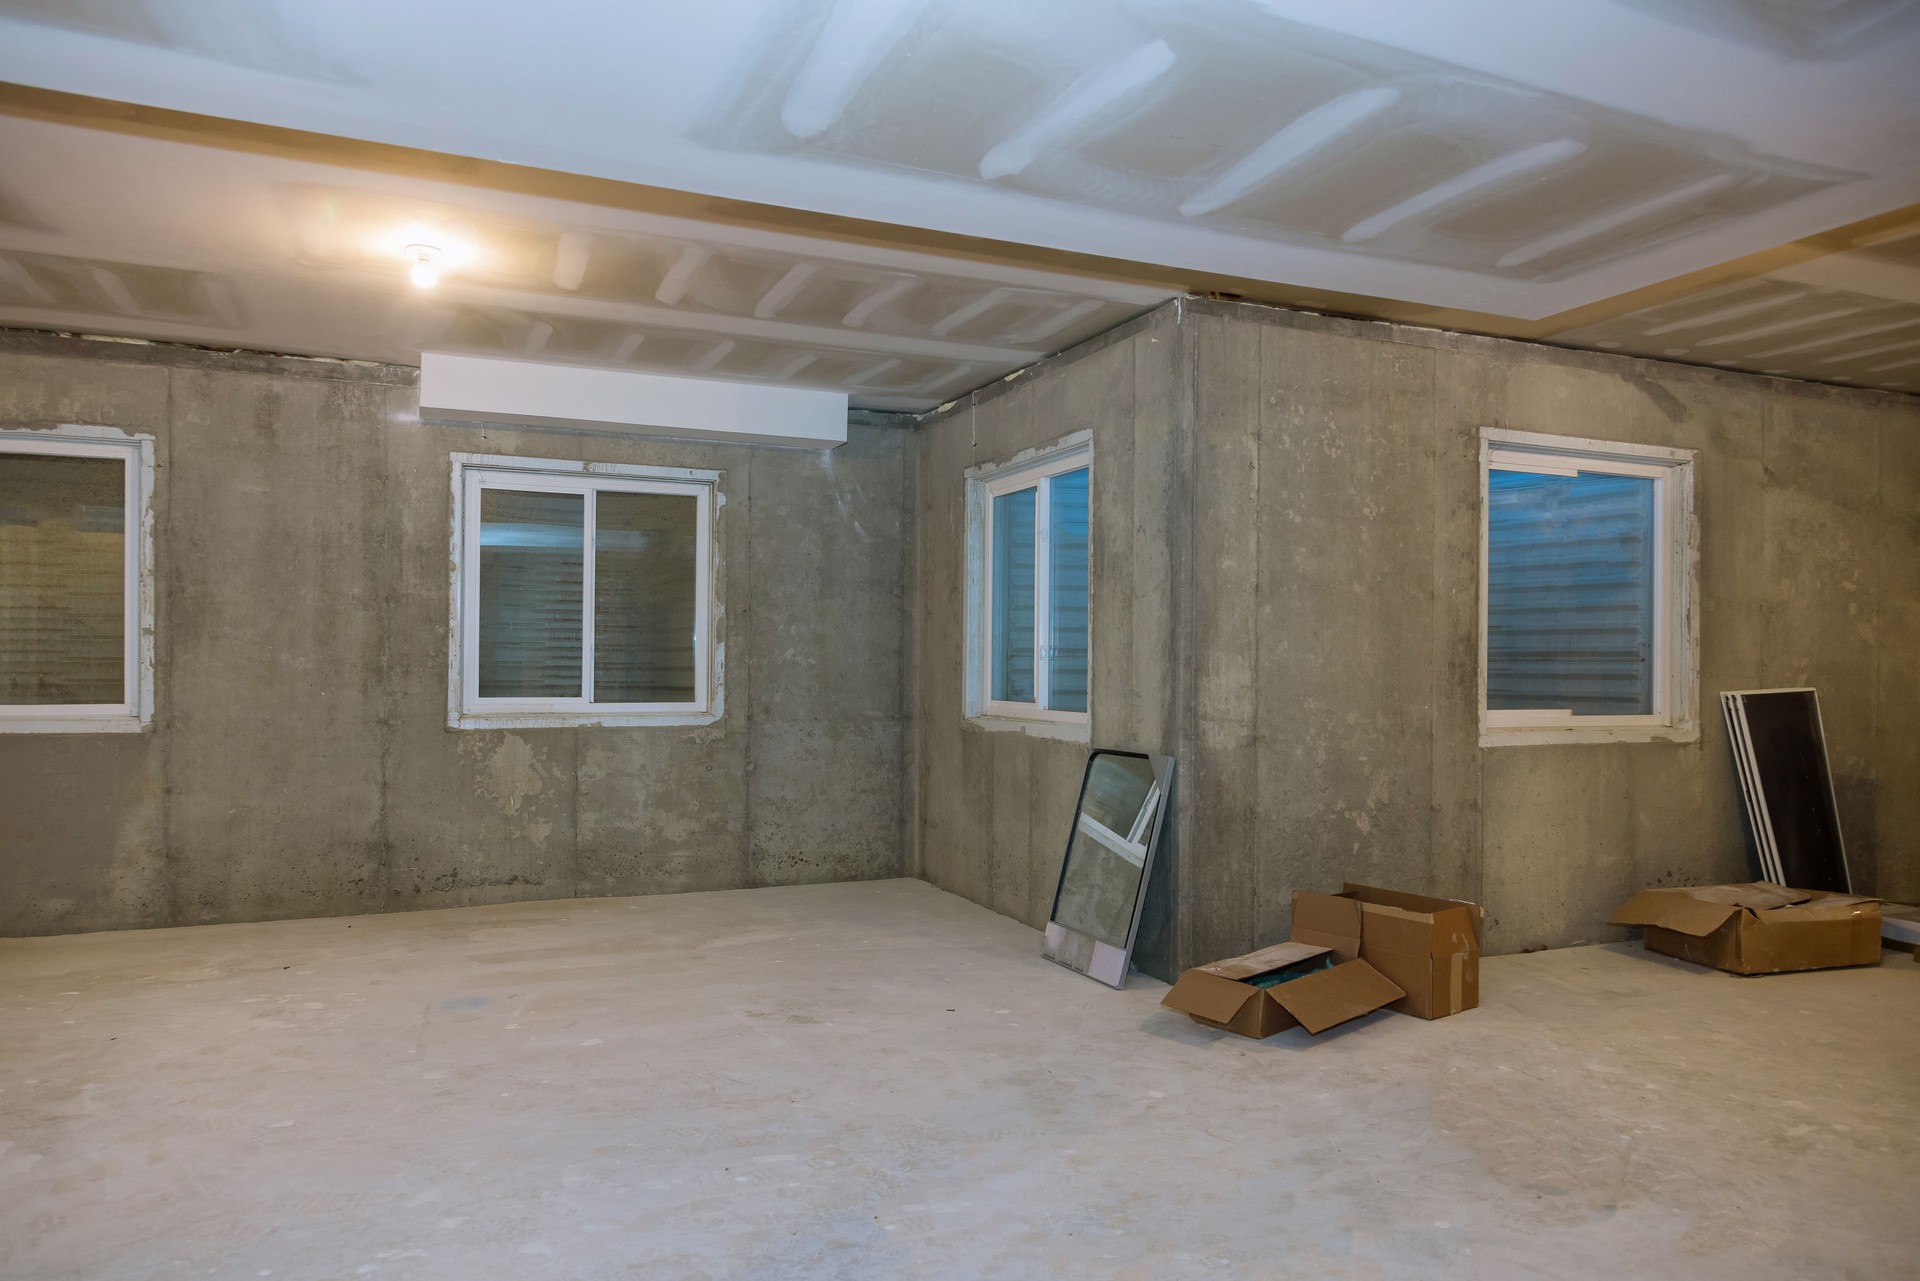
(1515, 164)
(1724, 313)
(858, 36)
(1622, 216)
(934, 348)
(673, 285)
(863, 310)
(457, 388)
(1076, 108)
(570, 259)
(1287, 149)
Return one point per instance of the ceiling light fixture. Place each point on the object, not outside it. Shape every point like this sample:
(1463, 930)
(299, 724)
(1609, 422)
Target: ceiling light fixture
(425, 271)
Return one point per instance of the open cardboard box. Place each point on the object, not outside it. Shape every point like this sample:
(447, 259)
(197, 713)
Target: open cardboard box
(1429, 947)
(1296, 984)
(1757, 928)
(1900, 928)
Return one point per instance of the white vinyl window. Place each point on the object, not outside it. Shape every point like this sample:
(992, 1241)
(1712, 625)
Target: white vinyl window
(582, 594)
(1587, 595)
(76, 569)
(1027, 624)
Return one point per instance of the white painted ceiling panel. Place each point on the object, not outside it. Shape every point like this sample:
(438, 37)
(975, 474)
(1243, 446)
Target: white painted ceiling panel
(1776, 324)
(1504, 156)
(1506, 160)
(238, 249)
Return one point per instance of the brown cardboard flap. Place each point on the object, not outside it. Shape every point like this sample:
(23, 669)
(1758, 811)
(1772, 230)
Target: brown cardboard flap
(1774, 941)
(1455, 922)
(1348, 990)
(1839, 907)
(1208, 996)
(1327, 921)
(1267, 958)
(1758, 895)
(1423, 903)
(1453, 934)
(1389, 929)
(1720, 949)
(1675, 910)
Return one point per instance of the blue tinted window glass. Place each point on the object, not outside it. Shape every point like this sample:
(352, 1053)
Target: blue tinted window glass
(1570, 581)
(1067, 592)
(1014, 537)
(532, 556)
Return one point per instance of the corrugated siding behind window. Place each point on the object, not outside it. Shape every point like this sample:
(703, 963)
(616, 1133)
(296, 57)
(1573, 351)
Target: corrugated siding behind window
(1067, 570)
(645, 584)
(532, 585)
(1015, 526)
(62, 579)
(1570, 578)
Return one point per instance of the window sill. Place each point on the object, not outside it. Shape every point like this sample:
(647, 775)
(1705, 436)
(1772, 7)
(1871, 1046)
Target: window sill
(1080, 731)
(577, 720)
(56, 724)
(1541, 735)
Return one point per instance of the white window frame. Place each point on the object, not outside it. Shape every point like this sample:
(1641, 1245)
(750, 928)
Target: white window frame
(1676, 621)
(474, 472)
(135, 713)
(1025, 470)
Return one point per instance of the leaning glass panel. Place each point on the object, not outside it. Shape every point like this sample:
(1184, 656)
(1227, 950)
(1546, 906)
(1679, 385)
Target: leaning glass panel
(1014, 528)
(532, 552)
(1108, 851)
(1067, 589)
(1570, 593)
(645, 597)
(62, 580)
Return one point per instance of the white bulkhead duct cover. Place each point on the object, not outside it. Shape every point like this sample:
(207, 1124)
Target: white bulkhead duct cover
(481, 389)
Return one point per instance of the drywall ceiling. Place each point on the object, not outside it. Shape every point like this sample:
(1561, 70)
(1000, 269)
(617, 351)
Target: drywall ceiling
(1851, 318)
(1543, 170)
(235, 249)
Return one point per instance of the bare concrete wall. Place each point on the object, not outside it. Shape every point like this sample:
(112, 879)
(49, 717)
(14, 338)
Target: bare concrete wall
(1328, 611)
(299, 763)
(994, 806)
(1284, 596)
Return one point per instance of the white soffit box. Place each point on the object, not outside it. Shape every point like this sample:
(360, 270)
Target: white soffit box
(477, 388)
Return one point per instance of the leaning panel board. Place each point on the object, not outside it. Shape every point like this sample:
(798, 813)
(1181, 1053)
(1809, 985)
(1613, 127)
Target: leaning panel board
(1742, 751)
(1780, 748)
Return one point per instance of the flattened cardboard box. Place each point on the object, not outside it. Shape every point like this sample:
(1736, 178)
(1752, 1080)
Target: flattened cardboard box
(1757, 928)
(1221, 995)
(1429, 947)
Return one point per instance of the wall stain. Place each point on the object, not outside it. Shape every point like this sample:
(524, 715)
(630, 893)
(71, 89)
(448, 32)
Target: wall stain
(1664, 400)
(513, 775)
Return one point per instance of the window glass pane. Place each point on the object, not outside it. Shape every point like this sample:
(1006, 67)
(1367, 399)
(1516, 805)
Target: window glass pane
(644, 597)
(1067, 589)
(1570, 579)
(1013, 587)
(62, 579)
(1107, 854)
(532, 550)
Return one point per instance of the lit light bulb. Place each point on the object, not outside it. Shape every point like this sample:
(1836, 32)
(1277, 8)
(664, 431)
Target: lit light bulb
(425, 271)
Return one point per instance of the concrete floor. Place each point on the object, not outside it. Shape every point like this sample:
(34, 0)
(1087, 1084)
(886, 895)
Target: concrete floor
(882, 1081)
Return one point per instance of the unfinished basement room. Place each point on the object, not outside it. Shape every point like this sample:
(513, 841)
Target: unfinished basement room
(904, 640)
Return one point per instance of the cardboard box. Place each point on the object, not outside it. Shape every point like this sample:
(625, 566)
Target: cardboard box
(1429, 947)
(1313, 987)
(1900, 928)
(1757, 928)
